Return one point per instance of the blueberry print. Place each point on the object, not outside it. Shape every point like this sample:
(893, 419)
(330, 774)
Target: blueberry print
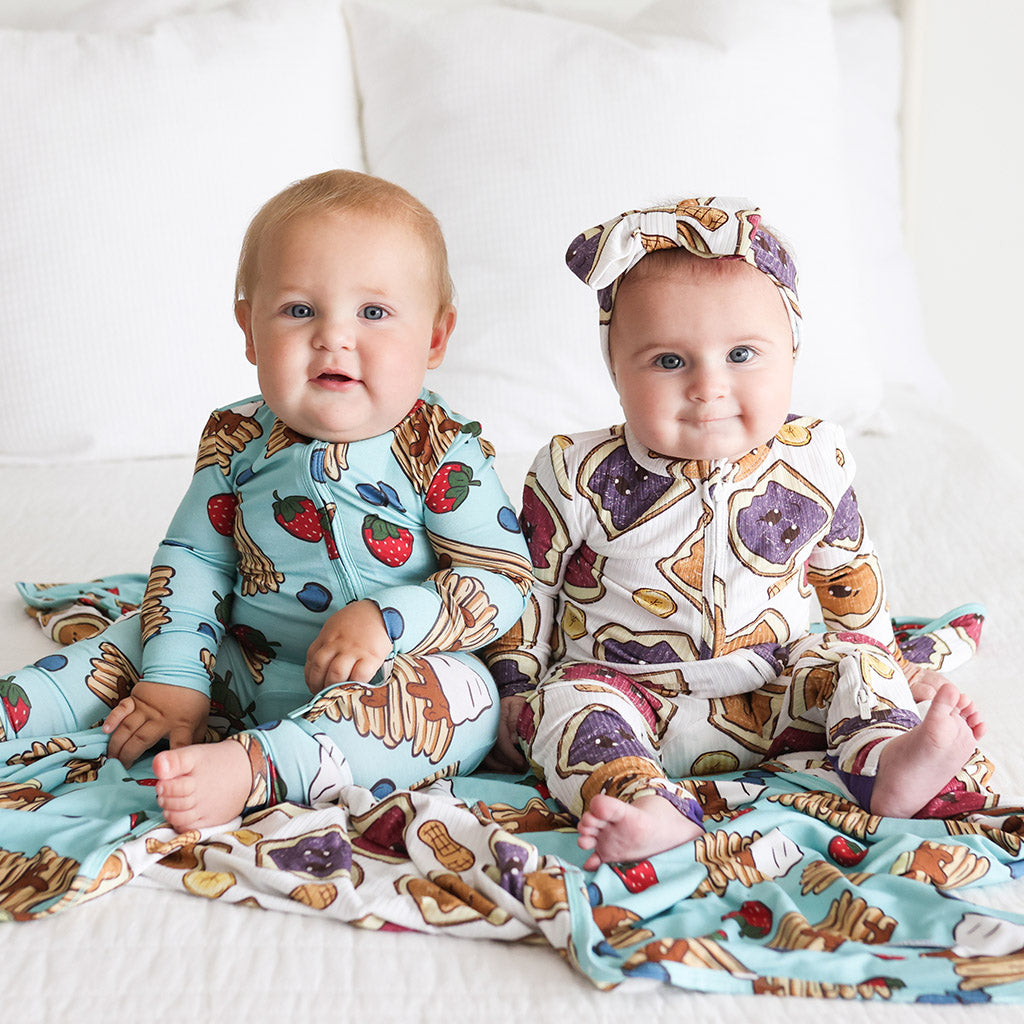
(508, 520)
(393, 622)
(316, 466)
(315, 597)
(52, 662)
(382, 494)
(382, 788)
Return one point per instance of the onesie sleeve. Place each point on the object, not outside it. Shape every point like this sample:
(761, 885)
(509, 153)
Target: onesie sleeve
(521, 658)
(844, 568)
(480, 587)
(187, 599)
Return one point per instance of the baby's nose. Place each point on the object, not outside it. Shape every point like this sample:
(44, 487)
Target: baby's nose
(707, 385)
(334, 334)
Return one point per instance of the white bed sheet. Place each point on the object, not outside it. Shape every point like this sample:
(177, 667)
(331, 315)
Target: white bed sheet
(945, 511)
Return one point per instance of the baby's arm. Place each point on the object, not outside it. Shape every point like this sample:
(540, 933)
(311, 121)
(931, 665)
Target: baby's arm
(479, 587)
(847, 577)
(183, 614)
(520, 659)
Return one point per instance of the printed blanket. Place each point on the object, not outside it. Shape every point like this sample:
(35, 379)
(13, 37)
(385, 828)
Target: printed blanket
(792, 891)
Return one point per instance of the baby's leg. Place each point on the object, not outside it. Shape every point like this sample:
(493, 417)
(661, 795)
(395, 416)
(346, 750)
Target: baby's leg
(891, 761)
(916, 765)
(433, 715)
(73, 688)
(593, 740)
(203, 784)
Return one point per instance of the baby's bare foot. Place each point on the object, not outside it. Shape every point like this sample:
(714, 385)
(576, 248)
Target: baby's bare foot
(914, 767)
(617, 831)
(204, 784)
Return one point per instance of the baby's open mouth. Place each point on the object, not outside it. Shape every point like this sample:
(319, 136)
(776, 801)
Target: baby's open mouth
(337, 377)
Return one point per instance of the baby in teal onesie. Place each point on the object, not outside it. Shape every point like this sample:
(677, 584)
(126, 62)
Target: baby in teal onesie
(343, 547)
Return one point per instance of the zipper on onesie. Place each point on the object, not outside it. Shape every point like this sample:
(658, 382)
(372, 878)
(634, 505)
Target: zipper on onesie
(716, 546)
(324, 460)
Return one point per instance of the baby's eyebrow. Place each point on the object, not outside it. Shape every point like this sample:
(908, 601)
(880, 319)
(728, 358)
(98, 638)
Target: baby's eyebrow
(658, 348)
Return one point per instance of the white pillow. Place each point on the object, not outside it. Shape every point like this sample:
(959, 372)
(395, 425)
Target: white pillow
(869, 49)
(130, 15)
(520, 129)
(131, 163)
(870, 52)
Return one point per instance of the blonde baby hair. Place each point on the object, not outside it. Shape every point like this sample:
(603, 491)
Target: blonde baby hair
(338, 191)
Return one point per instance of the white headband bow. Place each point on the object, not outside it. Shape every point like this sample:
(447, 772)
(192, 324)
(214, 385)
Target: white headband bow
(716, 228)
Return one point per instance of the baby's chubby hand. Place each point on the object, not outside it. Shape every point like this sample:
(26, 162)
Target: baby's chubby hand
(151, 712)
(505, 755)
(351, 647)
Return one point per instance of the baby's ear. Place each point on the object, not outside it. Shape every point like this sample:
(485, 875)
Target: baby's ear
(243, 316)
(443, 328)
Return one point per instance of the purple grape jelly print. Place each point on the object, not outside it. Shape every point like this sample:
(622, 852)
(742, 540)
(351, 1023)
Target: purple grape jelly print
(776, 523)
(846, 520)
(602, 737)
(626, 490)
(320, 856)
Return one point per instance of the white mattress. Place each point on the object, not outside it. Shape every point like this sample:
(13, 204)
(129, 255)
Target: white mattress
(945, 511)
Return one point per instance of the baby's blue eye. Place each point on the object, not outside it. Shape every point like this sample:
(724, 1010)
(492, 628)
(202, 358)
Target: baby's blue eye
(740, 354)
(669, 361)
(374, 312)
(300, 310)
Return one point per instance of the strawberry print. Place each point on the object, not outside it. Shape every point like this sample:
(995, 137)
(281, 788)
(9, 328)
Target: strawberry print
(450, 487)
(637, 875)
(971, 624)
(256, 649)
(299, 516)
(387, 542)
(220, 510)
(15, 702)
(326, 515)
(754, 919)
(884, 983)
(845, 853)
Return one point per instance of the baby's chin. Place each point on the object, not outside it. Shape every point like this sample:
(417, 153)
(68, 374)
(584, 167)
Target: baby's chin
(717, 443)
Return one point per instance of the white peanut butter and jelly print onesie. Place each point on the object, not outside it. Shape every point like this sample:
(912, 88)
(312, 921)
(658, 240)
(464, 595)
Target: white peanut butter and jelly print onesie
(669, 632)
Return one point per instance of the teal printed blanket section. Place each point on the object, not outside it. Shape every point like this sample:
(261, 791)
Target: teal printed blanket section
(793, 889)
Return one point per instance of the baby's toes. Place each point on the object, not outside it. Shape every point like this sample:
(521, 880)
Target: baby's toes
(174, 797)
(177, 763)
(167, 764)
(180, 820)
